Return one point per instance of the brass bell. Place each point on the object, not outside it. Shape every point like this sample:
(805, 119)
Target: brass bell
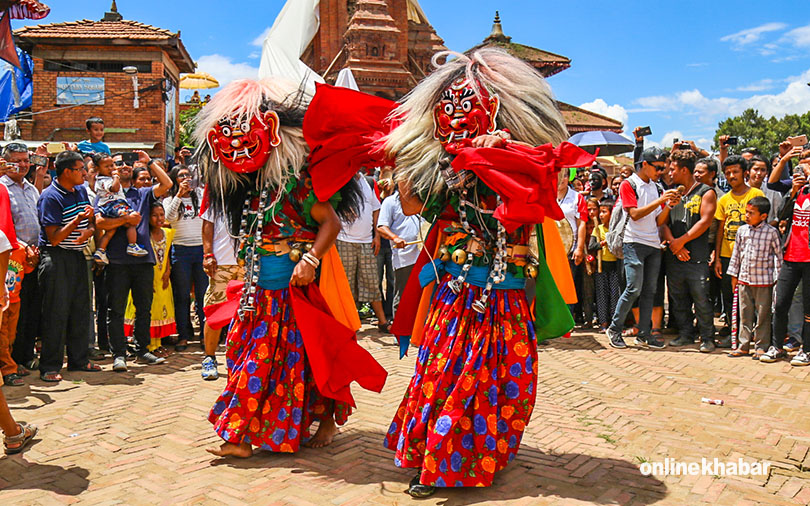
(307, 246)
(295, 255)
(530, 271)
(459, 256)
(444, 254)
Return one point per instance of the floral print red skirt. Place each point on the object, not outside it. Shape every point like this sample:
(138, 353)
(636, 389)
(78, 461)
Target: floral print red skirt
(473, 390)
(271, 398)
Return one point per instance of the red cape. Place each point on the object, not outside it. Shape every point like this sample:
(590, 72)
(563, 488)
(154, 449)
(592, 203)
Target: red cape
(524, 177)
(332, 350)
(342, 127)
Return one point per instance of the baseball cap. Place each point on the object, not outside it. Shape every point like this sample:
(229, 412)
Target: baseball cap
(653, 154)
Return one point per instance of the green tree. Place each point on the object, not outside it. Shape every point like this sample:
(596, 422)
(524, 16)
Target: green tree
(753, 130)
(187, 119)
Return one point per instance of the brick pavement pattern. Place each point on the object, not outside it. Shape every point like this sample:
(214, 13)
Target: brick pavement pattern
(139, 437)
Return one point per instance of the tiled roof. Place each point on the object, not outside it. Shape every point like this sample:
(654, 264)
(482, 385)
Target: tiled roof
(580, 120)
(88, 29)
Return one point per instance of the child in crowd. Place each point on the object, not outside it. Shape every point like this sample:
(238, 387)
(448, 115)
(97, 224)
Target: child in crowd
(95, 129)
(163, 322)
(608, 285)
(730, 216)
(17, 269)
(113, 204)
(753, 267)
(589, 267)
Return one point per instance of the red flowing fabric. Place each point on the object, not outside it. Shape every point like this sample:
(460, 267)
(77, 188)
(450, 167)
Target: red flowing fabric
(6, 223)
(342, 127)
(524, 177)
(334, 355)
(336, 358)
(409, 301)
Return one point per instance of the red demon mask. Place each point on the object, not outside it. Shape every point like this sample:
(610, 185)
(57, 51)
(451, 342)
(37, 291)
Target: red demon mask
(244, 147)
(461, 114)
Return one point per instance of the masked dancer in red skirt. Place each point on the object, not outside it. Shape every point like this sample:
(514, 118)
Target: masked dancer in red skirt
(475, 154)
(291, 350)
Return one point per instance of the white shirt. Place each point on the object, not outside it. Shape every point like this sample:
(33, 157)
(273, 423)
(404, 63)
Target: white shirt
(571, 206)
(361, 230)
(104, 190)
(224, 252)
(406, 227)
(645, 230)
(180, 214)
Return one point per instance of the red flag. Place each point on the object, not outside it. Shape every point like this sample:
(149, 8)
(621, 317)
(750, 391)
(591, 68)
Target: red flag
(8, 51)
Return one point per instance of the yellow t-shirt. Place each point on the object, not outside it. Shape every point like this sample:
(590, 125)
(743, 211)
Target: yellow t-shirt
(600, 232)
(731, 208)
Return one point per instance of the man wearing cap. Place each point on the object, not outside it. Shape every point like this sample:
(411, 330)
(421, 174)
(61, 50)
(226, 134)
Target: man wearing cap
(645, 208)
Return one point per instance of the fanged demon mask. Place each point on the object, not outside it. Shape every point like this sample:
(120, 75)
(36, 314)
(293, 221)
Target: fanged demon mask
(464, 114)
(242, 144)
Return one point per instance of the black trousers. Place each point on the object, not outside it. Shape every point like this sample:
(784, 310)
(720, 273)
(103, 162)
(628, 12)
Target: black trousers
(101, 309)
(791, 274)
(120, 280)
(28, 326)
(65, 308)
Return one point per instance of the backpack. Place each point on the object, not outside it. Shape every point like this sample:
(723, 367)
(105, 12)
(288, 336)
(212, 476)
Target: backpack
(618, 222)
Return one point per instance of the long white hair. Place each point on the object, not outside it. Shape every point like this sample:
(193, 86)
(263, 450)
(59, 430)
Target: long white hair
(527, 108)
(242, 100)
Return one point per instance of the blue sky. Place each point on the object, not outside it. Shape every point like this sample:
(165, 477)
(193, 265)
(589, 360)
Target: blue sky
(680, 67)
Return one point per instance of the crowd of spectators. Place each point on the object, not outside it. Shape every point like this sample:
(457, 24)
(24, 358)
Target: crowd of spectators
(702, 237)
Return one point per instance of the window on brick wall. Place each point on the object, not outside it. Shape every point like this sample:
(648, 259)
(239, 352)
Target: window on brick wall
(95, 66)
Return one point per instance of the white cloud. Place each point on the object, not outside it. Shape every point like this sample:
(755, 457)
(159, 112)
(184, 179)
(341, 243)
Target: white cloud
(701, 64)
(226, 70)
(761, 85)
(751, 35)
(798, 37)
(794, 99)
(614, 111)
(670, 137)
(259, 41)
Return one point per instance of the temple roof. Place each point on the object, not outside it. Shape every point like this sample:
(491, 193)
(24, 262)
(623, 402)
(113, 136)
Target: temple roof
(112, 29)
(546, 62)
(580, 120)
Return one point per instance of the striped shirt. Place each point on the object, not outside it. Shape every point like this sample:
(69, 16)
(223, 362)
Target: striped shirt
(57, 207)
(757, 255)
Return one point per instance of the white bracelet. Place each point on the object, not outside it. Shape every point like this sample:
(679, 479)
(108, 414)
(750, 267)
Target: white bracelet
(311, 259)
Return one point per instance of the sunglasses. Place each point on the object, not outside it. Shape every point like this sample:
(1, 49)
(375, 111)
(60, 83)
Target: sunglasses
(119, 163)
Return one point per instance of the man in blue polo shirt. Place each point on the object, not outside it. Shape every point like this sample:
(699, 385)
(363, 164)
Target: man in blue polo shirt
(127, 273)
(66, 224)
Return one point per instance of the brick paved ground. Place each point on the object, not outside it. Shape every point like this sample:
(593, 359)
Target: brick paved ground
(138, 437)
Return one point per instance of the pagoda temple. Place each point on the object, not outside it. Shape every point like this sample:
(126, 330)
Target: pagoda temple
(388, 45)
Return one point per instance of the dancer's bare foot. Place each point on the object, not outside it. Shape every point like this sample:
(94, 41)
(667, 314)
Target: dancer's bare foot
(325, 433)
(242, 450)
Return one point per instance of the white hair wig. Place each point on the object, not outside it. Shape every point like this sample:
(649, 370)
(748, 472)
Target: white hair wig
(527, 108)
(242, 100)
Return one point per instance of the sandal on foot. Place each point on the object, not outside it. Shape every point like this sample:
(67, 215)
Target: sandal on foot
(738, 353)
(631, 332)
(22, 371)
(88, 367)
(420, 491)
(656, 334)
(13, 380)
(51, 377)
(16, 444)
(385, 328)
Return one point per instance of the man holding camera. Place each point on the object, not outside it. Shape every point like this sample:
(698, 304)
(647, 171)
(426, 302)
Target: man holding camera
(127, 273)
(23, 196)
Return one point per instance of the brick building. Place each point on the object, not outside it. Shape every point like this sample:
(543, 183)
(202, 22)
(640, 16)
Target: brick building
(388, 45)
(79, 73)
